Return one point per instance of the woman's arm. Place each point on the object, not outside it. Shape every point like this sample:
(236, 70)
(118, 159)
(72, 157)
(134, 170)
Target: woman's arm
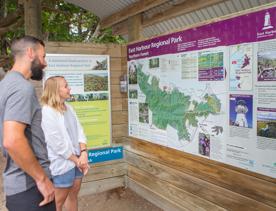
(83, 159)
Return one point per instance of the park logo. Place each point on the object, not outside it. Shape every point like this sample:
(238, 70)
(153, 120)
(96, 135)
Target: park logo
(267, 22)
(267, 27)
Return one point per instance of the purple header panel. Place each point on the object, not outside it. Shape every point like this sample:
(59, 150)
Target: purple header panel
(253, 27)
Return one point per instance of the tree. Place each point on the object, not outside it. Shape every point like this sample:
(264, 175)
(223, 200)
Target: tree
(61, 21)
(11, 14)
(106, 36)
(66, 22)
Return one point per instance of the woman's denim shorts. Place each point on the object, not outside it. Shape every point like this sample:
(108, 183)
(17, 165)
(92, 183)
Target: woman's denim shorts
(66, 180)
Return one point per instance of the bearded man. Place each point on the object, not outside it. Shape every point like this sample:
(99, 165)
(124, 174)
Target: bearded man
(27, 183)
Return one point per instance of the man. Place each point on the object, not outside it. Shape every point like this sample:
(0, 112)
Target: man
(26, 177)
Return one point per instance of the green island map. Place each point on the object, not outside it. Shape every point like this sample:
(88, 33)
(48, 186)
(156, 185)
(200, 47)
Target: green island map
(174, 107)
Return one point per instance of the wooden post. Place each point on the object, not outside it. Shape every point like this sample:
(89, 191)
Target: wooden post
(32, 13)
(134, 27)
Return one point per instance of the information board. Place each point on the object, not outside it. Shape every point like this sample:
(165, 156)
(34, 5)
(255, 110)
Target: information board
(88, 78)
(209, 91)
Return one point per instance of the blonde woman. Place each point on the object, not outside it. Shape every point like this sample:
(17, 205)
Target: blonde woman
(66, 143)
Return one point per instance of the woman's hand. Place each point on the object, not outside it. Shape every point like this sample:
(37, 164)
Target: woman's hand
(85, 169)
(83, 162)
(83, 158)
(75, 159)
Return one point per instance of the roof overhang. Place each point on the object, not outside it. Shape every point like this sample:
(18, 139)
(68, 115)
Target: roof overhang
(160, 16)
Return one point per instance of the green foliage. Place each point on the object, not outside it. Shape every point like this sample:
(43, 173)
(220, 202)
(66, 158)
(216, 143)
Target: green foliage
(106, 36)
(62, 21)
(66, 22)
(10, 7)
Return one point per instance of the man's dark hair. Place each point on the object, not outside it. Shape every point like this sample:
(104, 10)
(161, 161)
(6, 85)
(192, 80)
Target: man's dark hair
(19, 45)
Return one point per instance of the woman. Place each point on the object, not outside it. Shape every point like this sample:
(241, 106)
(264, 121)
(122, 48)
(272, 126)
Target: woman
(66, 143)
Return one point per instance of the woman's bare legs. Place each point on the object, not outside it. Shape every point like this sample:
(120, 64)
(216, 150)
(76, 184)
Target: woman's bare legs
(60, 197)
(71, 203)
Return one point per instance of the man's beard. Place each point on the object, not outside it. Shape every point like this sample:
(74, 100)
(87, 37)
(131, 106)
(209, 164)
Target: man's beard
(37, 70)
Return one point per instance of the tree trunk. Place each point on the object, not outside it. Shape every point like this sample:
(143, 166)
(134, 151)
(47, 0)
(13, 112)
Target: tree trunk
(2, 15)
(32, 12)
(33, 27)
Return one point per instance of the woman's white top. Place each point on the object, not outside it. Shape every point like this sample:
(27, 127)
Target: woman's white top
(63, 134)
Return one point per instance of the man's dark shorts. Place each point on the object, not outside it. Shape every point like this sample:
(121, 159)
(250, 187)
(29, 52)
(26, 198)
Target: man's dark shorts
(28, 201)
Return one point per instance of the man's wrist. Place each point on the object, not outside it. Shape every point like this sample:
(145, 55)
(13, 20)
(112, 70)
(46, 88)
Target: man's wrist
(41, 179)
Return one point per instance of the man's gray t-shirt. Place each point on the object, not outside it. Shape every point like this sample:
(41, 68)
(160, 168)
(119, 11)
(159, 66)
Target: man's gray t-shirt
(18, 102)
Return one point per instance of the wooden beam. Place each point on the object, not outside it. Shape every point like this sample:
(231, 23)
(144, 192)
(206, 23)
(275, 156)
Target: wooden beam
(134, 27)
(200, 188)
(120, 28)
(113, 50)
(181, 198)
(105, 171)
(177, 10)
(129, 11)
(103, 185)
(119, 130)
(119, 117)
(152, 197)
(223, 175)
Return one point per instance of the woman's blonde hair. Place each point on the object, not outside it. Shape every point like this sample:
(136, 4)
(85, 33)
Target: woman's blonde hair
(50, 94)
